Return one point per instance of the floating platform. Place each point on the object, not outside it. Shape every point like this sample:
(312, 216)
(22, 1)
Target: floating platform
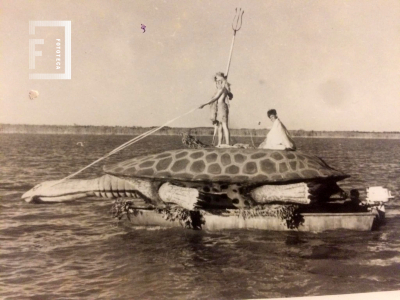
(313, 222)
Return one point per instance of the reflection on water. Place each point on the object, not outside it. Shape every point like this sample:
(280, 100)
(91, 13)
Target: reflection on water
(76, 250)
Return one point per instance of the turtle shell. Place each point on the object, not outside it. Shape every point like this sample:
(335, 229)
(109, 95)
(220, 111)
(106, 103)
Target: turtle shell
(244, 166)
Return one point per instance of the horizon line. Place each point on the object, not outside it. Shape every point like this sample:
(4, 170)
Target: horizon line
(178, 127)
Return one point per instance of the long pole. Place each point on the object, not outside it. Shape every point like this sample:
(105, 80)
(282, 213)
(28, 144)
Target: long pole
(230, 55)
(236, 25)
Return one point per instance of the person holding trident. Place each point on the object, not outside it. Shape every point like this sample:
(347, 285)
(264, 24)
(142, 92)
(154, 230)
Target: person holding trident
(219, 102)
(219, 108)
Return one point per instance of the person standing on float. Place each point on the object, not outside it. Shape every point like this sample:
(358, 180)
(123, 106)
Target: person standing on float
(219, 108)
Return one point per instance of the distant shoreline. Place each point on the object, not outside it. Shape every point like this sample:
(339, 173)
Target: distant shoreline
(196, 131)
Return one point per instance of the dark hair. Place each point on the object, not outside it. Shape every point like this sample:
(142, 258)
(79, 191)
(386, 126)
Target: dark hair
(219, 74)
(271, 112)
(227, 85)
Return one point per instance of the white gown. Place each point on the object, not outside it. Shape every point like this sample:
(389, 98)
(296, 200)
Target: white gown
(278, 138)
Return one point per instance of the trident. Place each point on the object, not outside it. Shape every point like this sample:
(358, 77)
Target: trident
(236, 25)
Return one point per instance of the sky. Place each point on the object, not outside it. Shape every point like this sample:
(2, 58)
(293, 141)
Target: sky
(322, 64)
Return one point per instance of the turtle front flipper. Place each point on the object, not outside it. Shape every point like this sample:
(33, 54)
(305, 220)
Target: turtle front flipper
(182, 196)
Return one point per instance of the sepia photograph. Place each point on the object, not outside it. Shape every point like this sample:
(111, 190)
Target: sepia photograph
(171, 149)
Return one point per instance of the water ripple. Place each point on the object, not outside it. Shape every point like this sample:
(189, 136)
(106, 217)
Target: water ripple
(76, 250)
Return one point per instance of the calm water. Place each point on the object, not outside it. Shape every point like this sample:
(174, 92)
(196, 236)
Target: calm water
(76, 250)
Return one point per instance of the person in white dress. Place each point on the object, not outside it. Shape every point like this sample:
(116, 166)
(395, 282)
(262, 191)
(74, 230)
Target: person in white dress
(278, 137)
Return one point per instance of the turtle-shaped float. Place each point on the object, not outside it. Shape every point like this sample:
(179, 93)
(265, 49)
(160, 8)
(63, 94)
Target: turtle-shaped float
(223, 178)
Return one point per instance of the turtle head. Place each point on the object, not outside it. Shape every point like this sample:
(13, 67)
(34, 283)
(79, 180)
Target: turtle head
(53, 191)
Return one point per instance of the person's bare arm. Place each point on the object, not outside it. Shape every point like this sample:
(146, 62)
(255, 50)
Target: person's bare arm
(218, 93)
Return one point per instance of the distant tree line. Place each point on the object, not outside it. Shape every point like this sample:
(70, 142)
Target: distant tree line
(196, 131)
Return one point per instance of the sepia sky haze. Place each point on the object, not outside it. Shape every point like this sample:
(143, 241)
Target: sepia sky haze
(324, 65)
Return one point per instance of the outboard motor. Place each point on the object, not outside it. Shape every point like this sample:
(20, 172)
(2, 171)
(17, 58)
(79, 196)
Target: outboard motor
(376, 197)
(378, 194)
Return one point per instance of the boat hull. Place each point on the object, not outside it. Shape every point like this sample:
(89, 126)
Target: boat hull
(314, 222)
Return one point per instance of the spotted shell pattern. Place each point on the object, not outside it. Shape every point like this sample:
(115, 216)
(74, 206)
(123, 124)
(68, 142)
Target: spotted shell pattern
(246, 166)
